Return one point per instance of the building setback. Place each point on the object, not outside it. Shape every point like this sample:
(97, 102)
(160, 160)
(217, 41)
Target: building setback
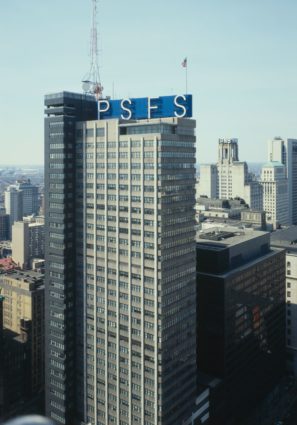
(120, 266)
(240, 315)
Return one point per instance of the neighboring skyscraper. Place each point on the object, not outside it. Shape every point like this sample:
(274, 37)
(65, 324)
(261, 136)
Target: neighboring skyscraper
(230, 178)
(275, 193)
(285, 152)
(30, 196)
(240, 315)
(120, 266)
(27, 241)
(13, 199)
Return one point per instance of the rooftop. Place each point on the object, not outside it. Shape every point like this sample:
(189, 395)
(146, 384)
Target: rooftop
(285, 237)
(70, 95)
(30, 275)
(229, 236)
(273, 164)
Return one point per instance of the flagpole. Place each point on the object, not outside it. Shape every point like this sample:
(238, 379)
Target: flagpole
(184, 64)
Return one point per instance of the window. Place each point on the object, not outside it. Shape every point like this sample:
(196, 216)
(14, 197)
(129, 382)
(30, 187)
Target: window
(100, 131)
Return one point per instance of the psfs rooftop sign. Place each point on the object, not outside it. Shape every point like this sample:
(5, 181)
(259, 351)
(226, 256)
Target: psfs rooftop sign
(179, 106)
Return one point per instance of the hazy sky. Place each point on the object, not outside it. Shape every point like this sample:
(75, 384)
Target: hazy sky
(242, 65)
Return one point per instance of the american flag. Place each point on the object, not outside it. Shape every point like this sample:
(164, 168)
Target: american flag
(185, 63)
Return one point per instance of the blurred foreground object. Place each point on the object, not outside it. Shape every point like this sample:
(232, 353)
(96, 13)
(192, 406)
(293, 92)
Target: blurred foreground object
(30, 420)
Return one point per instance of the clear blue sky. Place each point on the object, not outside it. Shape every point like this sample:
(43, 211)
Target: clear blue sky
(242, 65)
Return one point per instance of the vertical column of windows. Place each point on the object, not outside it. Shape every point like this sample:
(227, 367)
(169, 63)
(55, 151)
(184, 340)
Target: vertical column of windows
(95, 322)
(85, 316)
(129, 284)
(118, 277)
(156, 285)
(106, 271)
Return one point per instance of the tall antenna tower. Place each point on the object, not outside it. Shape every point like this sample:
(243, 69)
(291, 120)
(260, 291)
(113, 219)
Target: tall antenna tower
(91, 83)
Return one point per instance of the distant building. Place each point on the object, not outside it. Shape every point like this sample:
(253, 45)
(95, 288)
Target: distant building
(208, 183)
(23, 311)
(275, 193)
(240, 315)
(21, 199)
(255, 218)
(229, 178)
(4, 225)
(22, 344)
(30, 197)
(5, 249)
(13, 199)
(27, 241)
(285, 152)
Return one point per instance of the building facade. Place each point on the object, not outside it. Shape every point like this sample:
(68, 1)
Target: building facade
(229, 178)
(4, 225)
(240, 315)
(121, 299)
(13, 201)
(23, 313)
(275, 193)
(208, 183)
(287, 239)
(30, 196)
(27, 241)
(285, 152)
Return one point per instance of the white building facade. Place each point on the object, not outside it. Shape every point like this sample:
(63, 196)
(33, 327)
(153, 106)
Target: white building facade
(275, 193)
(285, 152)
(230, 178)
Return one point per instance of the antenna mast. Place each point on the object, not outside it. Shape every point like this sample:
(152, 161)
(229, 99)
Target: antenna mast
(91, 83)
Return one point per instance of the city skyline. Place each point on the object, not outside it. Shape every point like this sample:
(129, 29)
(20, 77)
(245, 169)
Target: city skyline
(241, 65)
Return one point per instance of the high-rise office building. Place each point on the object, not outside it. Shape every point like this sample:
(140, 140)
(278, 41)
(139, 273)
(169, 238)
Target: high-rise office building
(21, 199)
(285, 152)
(120, 265)
(13, 200)
(229, 178)
(27, 241)
(240, 315)
(275, 193)
(30, 196)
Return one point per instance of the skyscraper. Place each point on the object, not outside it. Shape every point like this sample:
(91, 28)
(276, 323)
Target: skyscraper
(27, 241)
(275, 193)
(240, 315)
(120, 264)
(30, 196)
(285, 152)
(13, 199)
(229, 178)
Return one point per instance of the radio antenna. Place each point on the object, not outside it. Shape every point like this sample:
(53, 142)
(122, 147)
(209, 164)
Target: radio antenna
(91, 83)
